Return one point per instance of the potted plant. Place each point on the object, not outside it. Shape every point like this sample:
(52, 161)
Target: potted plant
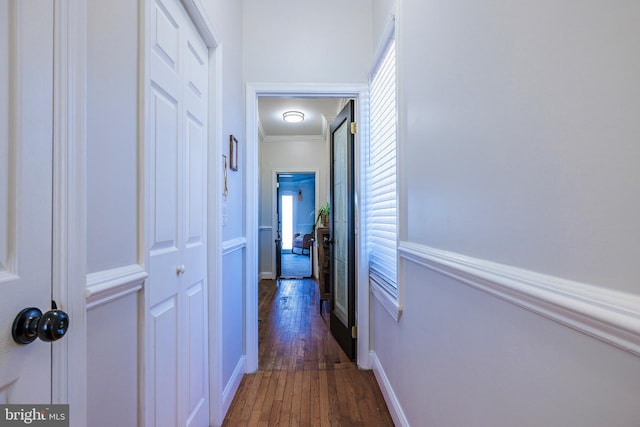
(323, 216)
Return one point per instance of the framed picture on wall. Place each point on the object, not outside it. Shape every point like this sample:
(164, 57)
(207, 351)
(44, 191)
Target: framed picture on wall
(233, 153)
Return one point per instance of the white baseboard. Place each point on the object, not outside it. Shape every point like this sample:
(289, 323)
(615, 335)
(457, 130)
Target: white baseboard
(393, 404)
(266, 275)
(231, 387)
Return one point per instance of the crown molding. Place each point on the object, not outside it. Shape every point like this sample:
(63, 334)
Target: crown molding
(294, 138)
(326, 126)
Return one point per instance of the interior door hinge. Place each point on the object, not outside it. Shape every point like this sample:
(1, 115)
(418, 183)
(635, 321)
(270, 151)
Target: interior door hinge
(354, 128)
(354, 332)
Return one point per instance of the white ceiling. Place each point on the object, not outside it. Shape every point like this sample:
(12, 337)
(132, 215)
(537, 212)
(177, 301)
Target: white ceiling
(315, 109)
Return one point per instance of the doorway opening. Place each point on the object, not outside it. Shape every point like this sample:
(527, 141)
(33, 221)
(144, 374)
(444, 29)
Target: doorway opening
(260, 163)
(286, 201)
(296, 194)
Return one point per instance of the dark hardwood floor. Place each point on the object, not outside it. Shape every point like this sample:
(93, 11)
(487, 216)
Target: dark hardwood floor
(304, 377)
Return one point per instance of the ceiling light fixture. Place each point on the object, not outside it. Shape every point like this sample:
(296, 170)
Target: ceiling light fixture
(293, 116)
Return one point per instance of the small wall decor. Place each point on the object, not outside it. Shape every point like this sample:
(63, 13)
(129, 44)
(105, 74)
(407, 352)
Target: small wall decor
(233, 153)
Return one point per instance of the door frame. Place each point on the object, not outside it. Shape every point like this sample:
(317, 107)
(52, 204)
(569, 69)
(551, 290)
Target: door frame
(69, 360)
(360, 92)
(274, 201)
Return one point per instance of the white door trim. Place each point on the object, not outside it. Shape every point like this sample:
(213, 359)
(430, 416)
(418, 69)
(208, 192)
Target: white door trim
(217, 405)
(69, 362)
(254, 90)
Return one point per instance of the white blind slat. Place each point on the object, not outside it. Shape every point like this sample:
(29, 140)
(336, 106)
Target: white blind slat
(381, 175)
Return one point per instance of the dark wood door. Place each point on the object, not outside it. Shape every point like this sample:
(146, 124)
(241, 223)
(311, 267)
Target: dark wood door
(278, 257)
(342, 229)
(278, 233)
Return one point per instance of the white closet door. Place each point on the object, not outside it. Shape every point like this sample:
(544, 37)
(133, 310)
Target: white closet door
(26, 159)
(176, 303)
(195, 344)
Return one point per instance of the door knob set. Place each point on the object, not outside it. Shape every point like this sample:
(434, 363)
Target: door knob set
(181, 269)
(30, 324)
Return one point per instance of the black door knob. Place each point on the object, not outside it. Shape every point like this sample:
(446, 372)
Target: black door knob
(53, 325)
(25, 325)
(30, 324)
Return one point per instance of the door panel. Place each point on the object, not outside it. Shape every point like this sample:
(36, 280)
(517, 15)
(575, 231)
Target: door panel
(193, 280)
(341, 223)
(164, 256)
(342, 227)
(197, 393)
(177, 156)
(26, 134)
(195, 185)
(165, 371)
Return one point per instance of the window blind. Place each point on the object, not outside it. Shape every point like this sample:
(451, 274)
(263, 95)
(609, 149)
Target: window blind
(381, 174)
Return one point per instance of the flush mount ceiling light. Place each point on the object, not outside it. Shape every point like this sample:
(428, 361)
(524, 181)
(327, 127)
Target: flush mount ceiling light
(293, 116)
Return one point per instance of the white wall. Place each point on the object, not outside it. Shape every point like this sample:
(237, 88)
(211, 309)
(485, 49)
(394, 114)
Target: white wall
(232, 320)
(294, 41)
(286, 155)
(112, 365)
(537, 109)
(112, 208)
(518, 127)
(226, 18)
(459, 357)
(112, 96)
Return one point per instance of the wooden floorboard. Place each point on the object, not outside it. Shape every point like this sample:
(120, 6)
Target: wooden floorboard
(304, 377)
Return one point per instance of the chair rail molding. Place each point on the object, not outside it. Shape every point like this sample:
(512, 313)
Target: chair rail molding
(609, 315)
(229, 246)
(109, 285)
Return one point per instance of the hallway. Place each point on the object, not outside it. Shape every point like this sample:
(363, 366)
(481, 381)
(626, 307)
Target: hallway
(304, 377)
